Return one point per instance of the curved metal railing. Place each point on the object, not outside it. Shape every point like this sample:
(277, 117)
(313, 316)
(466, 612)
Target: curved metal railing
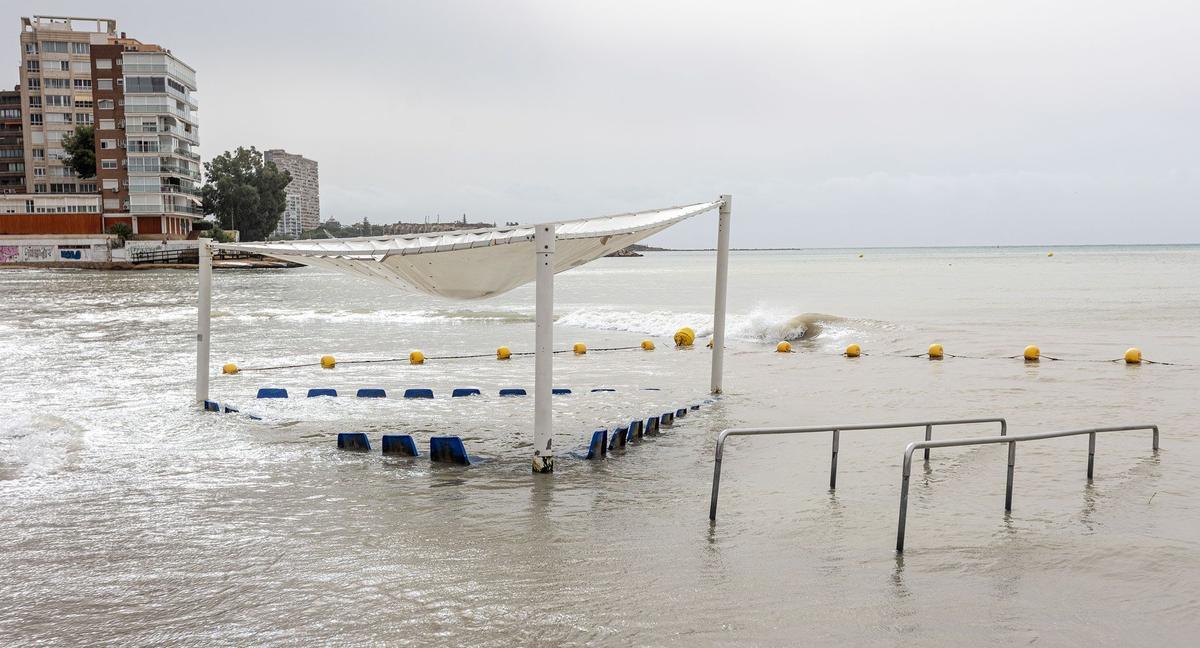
(836, 430)
(1012, 442)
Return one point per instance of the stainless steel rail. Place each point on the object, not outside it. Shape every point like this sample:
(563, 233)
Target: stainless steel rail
(1012, 442)
(836, 430)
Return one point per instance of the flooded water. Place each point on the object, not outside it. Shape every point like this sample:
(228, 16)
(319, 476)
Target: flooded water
(131, 517)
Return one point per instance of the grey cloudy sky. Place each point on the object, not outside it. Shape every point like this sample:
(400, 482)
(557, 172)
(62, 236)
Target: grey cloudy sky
(832, 123)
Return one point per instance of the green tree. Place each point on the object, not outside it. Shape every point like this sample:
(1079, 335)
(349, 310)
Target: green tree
(245, 193)
(122, 231)
(81, 151)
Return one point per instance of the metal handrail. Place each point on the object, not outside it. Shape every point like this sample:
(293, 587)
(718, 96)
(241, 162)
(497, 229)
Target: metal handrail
(1012, 442)
(837, 430)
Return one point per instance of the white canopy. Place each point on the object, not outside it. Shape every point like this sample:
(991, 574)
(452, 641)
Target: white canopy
(472, 264)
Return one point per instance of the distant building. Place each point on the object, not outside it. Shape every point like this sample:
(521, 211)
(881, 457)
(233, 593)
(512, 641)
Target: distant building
(303, 211)
(138, 97)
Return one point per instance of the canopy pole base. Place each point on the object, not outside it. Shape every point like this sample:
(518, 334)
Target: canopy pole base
(718, 352)
(543, 415)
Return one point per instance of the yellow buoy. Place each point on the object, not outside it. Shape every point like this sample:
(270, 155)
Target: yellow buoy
(685, 337)
(328, 362)
(580, 348)
(860, 255)
(1032, 353)
(230, 368)
(648, 345)
(416, 357)
(1133, 356)
(503, 353)
(853, 351)
(783, 347)
(936, 352)
(1049, 254)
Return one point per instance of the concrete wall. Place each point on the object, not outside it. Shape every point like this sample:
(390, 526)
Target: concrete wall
(55, 249)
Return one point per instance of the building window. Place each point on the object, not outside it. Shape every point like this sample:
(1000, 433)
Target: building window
(35, 83)
(104, 84)
(39, 154)
(88, 187)
(59, 100)
(31, 48)
(112, 204)
(110, 184)
(35, 119)
(54, 47)
(83, 118)
(35, 101)
(39, 171)
(58, 66)
(108, 124)
(108, 144)
(81, 67)
(145, 84)
(64, 187)
(39, 188)
(83, 84)
(82, 103)
(108, 164)
(33, 66)
(103, 64)
(81, 48)
(59, 84)
(105, 104)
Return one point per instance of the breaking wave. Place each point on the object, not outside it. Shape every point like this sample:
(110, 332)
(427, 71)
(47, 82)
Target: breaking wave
(759, 325)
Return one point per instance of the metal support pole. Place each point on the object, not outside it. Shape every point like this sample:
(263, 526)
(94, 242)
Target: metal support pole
(1091, 454)
(1012, 460)
(928, 437)
(833, 462)
(718, 352)
(543, 415)
(203, 318)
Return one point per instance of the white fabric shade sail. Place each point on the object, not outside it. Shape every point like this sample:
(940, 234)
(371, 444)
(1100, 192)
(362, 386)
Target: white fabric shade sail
(473, 264)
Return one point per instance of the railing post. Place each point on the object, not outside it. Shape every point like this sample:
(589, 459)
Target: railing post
(1155, 438)
(1091, 454)
(928, 437)
(716, 487)
(1012, 460)
(833, 462)
(906, 472)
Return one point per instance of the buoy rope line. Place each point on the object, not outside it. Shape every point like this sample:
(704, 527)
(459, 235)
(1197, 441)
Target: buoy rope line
(1020, 356)
(469, 356)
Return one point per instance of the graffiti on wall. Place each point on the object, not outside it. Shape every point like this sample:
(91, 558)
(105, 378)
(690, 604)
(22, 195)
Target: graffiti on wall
(71, 255)
(9, 253)
(40, 252)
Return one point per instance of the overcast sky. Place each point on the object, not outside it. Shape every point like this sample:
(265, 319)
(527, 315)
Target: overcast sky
(832, 123)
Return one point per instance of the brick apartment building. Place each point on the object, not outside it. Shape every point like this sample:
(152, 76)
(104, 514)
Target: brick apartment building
(139, 99)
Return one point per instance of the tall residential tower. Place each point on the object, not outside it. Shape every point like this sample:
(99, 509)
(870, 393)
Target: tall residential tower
(303, 210)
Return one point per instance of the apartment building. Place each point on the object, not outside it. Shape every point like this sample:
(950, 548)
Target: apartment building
(303, 211)
(12, 143)
(137, 96)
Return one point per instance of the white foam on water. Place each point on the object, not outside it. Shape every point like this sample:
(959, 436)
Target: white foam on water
(38, 445)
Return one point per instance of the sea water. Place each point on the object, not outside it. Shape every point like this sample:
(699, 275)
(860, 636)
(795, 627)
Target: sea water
(129, 516)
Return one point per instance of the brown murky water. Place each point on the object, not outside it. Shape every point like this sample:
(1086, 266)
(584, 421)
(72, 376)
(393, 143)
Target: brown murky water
(130, 517)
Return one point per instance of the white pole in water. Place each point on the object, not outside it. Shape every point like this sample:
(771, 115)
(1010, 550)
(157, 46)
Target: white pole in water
(543, 415)
(718, 352)
(203, 317)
